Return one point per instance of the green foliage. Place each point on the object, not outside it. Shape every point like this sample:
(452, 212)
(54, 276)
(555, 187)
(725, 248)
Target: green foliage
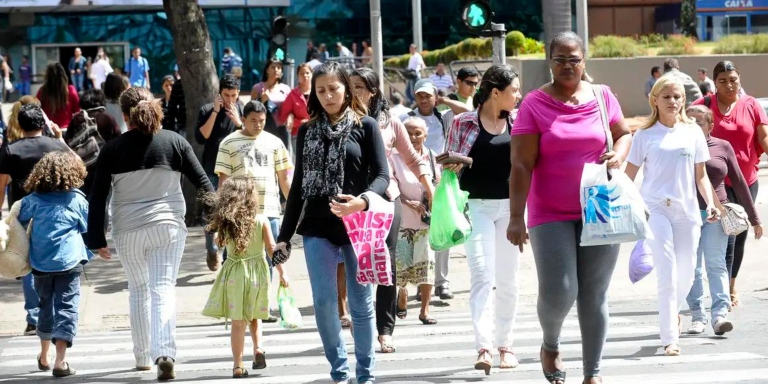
(652, 39)
(515, 42)
(615, 46)
(676, 45)
(742, 44)
(532, 46)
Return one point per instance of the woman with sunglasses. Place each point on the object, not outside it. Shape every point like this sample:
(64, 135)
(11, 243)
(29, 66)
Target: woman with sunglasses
(558, 129)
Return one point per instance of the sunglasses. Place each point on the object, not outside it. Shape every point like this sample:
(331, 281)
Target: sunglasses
(470, 83)
(574, 61)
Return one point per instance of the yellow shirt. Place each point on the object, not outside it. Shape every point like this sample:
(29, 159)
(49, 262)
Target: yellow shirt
(259, 157)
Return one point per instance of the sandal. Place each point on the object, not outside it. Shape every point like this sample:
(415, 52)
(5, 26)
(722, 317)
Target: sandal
(346, 322)
(243, 373)
(40, 365)
(734, 299)
(64, 372)
(427, 320)
(259, 359)
(401, 313)
(386, 347)
(552, 377)
(672, 350)
(504, 363)
(483, 363)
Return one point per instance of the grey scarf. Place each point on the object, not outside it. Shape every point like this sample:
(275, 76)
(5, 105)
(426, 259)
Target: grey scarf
(324, 171)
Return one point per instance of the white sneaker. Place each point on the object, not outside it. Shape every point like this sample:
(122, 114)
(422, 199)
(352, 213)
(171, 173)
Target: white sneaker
(722, 326)
(697, 328)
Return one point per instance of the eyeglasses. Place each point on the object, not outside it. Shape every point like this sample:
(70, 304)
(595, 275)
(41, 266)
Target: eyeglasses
(574, 61)
(471, 83)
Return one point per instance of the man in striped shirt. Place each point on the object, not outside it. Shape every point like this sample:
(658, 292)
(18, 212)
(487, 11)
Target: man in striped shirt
(442, 80)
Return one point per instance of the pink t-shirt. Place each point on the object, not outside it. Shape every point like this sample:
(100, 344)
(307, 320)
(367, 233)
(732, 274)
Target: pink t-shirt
(570, 136)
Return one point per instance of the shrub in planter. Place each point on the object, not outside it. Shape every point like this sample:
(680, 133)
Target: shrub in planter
(532, 46)
(614, 46)
(742, 44)
(678, 45)
(515, 42)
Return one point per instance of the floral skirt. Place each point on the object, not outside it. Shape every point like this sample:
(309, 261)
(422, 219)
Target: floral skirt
(415, 258)
(241, 290)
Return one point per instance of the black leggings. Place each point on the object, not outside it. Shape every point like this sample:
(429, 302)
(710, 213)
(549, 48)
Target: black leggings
(735, 252)
(386, 295)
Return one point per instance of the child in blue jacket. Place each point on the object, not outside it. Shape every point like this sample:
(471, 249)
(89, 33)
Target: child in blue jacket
(58, 214)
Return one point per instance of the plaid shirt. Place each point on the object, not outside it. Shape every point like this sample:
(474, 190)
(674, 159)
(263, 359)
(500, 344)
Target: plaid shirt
(464, 132)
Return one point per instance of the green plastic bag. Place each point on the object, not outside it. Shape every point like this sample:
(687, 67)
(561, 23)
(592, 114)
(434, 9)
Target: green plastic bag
(290, 317)
(450, 225)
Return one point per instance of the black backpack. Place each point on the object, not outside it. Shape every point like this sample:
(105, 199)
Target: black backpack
(86, 142)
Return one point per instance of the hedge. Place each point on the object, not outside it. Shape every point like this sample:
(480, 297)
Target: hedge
(615, 46)
(742, 44)
(675, 45)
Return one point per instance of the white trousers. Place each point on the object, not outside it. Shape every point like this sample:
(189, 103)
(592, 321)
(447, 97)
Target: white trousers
(676, 237)
(493, 261)
(151, 257)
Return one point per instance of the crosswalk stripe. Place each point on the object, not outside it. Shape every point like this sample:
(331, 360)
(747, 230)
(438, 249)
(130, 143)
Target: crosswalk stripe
(451, 374)
(288, 336)
(696, 377)
(76, 356)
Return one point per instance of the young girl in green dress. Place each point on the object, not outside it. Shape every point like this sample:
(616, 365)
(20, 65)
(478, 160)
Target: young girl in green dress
(241, 289)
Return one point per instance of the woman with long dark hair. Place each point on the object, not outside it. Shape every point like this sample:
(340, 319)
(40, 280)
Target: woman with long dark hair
(58, 99)
(272, 92)
(742, 122)
(114, 86)
(365, 83)
(341, 156)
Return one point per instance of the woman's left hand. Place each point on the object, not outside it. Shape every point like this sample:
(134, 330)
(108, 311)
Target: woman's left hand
(758, 231)
(713, 214)
(347, 205)
(284, 281)
(612, 159)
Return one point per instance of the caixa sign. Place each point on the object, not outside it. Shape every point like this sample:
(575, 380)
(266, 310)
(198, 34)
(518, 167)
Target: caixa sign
(706, 5)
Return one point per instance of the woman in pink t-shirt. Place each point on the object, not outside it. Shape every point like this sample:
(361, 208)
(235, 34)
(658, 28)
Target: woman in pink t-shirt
(741, 121)
(559, 129)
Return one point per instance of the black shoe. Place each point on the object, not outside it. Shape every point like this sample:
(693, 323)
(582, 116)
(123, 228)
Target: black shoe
(270, 319)
(165, 370)
(31, 330)
(444, 293)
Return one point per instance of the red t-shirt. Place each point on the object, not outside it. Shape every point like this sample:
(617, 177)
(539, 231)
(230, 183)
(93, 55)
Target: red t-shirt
(63, 116)
(739, 128)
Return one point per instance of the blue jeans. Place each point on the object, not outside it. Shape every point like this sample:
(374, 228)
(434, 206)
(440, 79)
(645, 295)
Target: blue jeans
(210, 245)
(410, 88)
(322, 260)
(59, 298)
(31, 301)
(25, 87)
(712, 248)
(77, 79)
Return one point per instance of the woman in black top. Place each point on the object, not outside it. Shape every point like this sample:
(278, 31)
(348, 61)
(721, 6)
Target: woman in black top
(484, 136)
(340, 156)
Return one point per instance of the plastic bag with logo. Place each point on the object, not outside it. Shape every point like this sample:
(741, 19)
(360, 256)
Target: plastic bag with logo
(290, 317)
(450, 225)
(612, 209)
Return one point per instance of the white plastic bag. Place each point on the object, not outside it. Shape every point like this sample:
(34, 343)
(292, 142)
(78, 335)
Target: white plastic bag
(612, 211)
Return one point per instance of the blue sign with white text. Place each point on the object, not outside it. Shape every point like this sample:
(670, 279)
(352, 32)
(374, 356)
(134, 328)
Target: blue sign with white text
(730, 4)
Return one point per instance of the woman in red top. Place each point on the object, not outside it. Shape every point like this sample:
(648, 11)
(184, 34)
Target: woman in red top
(59, 99)
(293, 112)
(741, 121)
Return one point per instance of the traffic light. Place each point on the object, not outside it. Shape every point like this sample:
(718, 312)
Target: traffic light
(476, 15)
(279, 43)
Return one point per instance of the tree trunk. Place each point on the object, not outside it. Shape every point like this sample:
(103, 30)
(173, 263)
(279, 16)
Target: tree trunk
(557, 18)
(192, 45)
(688, 19)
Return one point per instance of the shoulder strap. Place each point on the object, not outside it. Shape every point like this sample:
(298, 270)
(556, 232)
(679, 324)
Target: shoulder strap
(598, 90)
(439, 117)
(708, 101)
(432, 164)
(412, 113)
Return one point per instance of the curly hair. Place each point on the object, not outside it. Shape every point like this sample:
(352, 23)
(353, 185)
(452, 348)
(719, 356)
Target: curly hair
(56, 172)
(234, 211)
(144, 112)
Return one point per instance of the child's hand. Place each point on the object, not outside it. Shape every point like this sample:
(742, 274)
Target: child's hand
(105, 254)
(284, 281)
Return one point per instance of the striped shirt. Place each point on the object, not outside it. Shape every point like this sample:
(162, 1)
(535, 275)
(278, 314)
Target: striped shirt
(441, 82)
(259, 157)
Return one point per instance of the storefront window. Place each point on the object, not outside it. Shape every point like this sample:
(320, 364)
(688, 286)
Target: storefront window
(760, 23)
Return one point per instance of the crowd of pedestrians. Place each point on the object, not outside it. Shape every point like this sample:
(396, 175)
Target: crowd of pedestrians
(334, 144)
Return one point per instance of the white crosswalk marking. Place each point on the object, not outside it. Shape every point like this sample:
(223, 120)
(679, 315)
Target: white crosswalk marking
(444, 350)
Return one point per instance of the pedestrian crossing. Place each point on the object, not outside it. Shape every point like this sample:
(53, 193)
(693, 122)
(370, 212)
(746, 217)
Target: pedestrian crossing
(442, 353)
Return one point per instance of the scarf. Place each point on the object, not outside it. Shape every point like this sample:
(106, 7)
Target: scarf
(324, 171)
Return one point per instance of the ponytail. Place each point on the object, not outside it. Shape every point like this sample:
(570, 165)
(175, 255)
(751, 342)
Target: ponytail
(496, 77)
(143, 112)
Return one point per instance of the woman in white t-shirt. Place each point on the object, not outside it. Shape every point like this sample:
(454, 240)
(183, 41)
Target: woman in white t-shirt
(672, 150)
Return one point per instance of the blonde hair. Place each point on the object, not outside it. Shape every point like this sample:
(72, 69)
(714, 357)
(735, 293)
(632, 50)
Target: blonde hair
(14, 130)
(664, 82)
(234, 210)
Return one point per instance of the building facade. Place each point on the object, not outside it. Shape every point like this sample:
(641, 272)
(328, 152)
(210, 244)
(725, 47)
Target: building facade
(718, 18)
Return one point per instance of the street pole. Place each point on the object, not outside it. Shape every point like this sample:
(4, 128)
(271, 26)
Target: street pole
(290, 67)
(417, 37)
(376, 38)
(582, 24)
(499, 40)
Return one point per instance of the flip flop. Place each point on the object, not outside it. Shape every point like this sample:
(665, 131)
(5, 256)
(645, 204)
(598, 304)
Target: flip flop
(346, 322)
(64, 372)
(386, 347)
(401, 313)
(243, 373)
(260, 360)
(40, 365)
(427, 320)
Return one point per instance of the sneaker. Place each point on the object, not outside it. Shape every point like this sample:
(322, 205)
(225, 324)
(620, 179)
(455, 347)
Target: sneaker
(722, 326)
(165, 369)
(697, 328)
(444, 293)
(213, 261)
(271, 319)
(31, 330)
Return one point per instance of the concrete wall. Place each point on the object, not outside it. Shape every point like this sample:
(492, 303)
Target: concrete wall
(627, 77)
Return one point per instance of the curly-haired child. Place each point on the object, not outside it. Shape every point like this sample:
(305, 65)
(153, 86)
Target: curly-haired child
(241, 289)
(58, 214)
